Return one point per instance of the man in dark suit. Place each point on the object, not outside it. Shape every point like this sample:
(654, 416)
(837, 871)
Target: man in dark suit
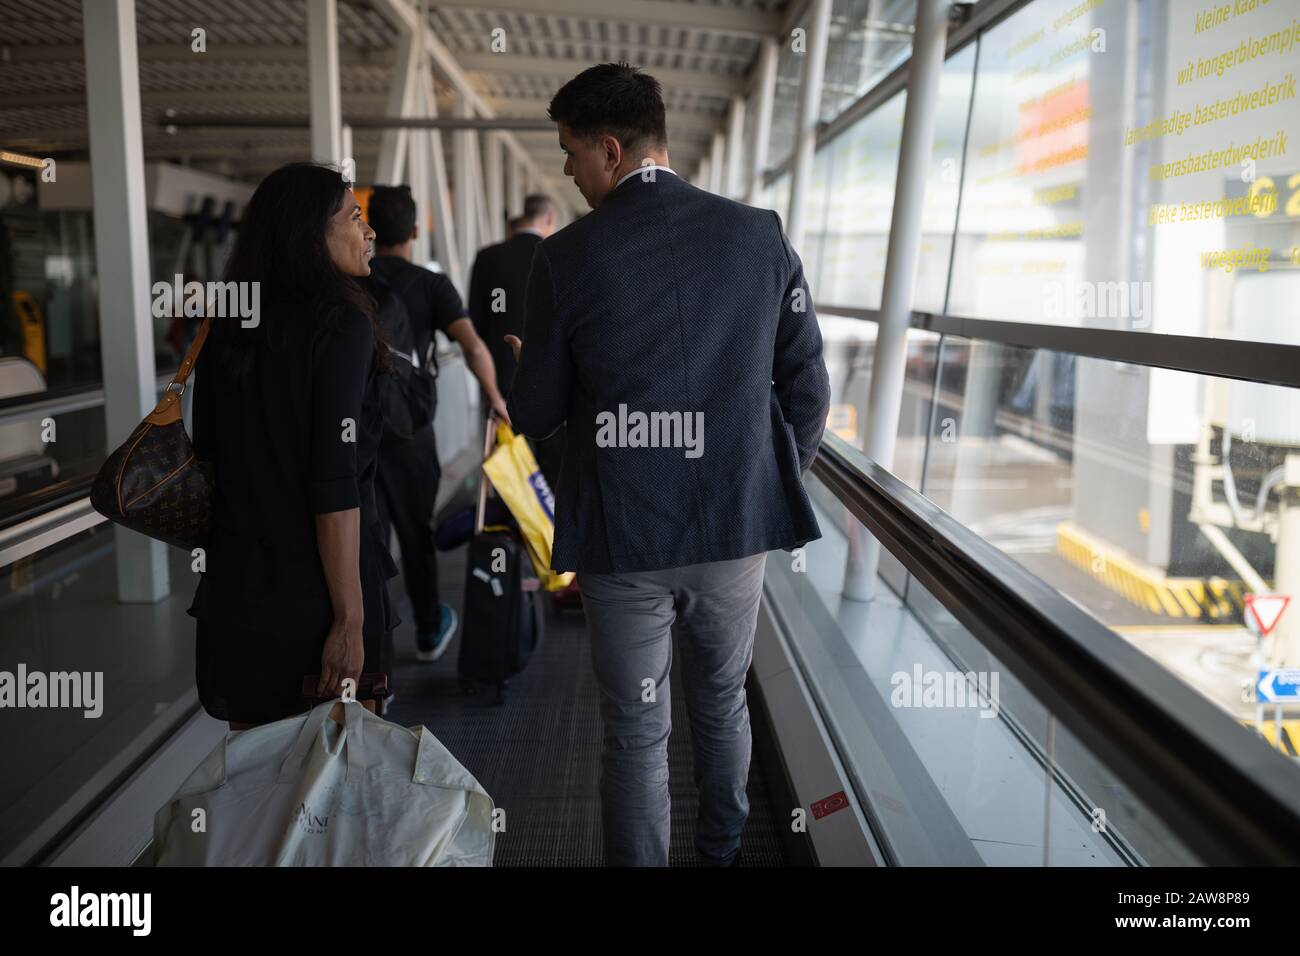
(498, 281)
(496, 304)
(674, 332)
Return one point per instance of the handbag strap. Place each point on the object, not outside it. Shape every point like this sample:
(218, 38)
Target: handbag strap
(168, 408)
(192, 354)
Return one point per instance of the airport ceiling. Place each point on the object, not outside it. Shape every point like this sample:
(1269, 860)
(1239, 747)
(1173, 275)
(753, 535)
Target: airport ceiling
(255, 66)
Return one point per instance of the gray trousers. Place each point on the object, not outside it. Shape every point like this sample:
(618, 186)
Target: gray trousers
(630, 620)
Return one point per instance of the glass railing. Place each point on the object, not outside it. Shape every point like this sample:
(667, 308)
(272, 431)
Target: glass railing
(51, 445)
(987, 719)
(92, 686)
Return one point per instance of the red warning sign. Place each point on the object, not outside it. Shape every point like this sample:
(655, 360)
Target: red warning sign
(828, 805)
(1266, 609)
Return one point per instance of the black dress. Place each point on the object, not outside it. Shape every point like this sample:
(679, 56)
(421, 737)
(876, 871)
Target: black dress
(297, 435)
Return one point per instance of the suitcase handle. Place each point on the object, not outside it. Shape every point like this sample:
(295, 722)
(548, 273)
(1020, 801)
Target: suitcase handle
(489, 440)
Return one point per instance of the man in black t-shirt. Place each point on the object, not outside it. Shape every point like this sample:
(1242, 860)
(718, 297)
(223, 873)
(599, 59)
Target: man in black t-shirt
(409, 471)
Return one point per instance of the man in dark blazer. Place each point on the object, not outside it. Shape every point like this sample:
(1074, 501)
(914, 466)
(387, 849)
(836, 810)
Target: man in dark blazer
(497, 285)
(674, 332)
(498, 280)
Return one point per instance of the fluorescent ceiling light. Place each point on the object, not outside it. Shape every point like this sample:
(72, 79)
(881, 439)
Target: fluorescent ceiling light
(18, 159)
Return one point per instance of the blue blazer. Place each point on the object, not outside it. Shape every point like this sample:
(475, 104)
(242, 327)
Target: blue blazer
(673, 331)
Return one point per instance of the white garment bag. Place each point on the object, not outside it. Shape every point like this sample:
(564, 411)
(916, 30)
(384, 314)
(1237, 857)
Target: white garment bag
(307, 791)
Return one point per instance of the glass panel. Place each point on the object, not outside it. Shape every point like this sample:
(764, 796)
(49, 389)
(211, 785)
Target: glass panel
(776, 196)
(30, 464)
(49, 318)
(868, 39)
(914, 414)
(1129, 168)
(48, 305)
(1157, 500)
(132, 666)
(942, 181)
(864, 164)
(49, 341)
(849, 347)
(954, 761)
(750, 131)
(817, 210)
(785, 102)
(193, 246)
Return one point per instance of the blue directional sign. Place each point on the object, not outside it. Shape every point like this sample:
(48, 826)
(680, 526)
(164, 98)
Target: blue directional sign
(1279, 686)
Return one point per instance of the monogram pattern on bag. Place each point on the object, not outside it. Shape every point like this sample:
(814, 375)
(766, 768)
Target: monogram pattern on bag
(153, 484)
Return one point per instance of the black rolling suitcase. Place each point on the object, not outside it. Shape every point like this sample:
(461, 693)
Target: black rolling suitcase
(503, 612)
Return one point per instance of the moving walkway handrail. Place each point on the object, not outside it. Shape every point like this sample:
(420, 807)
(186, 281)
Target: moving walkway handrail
(1265, 363)
(1221, 790)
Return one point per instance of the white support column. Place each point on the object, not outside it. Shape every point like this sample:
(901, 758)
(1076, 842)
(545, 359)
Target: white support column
(736, 148)
(810, 99)
(718, 165)
(323, 80)
(345, 153)
(514, 188)
(463, 157)
(482, 228)
(766, 90)
(902, 255)
(405, 14)
(417, 148)
(493, 170)
(122, 261)
(706, 174)
(444, 224)
(402, 96)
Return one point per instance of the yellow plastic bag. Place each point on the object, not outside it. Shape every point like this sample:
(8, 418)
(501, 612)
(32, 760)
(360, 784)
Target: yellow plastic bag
(513, 471)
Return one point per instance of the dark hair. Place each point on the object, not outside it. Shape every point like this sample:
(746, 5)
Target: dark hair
(615, 99)
(281, 245)
(391, 213)
(536, 205)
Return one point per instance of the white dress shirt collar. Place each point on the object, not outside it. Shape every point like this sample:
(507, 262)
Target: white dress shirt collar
(641, 169)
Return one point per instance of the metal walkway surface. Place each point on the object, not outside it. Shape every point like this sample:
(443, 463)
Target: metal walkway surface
(538, 754)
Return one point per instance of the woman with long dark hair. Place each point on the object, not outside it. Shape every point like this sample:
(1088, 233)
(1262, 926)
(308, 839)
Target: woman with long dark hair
(287, 409)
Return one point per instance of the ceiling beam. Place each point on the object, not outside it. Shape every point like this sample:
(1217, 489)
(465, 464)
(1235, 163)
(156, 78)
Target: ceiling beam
(677, 119)
(218, 53)
(715, 84)
(199, 99)
(368, 122)
(403, 16)
(349, 54)
(635, 46)
(660, 13)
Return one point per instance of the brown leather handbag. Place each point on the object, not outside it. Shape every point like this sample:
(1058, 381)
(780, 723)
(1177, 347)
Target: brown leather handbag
(154, 483)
